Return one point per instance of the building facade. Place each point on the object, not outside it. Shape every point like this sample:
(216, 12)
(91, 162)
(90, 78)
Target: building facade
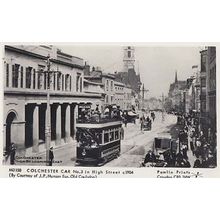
(120, 94)
(128, 98)
(208, 87)
(95, 88)
(176, 95)
(211, 85)
(203, 82)
(106, 82)
(196, 84)
(27, 82)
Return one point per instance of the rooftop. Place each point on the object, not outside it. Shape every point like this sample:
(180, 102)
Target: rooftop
(42, 52)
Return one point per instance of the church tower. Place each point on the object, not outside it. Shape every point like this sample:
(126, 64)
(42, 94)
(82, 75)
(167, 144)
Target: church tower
(129, 58)
(176, 80)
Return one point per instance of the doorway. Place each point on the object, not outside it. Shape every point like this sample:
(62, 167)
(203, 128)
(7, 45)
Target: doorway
(9, 123)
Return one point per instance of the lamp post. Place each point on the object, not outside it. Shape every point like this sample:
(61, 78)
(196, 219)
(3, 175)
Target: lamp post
(143, 92)
(48, 127)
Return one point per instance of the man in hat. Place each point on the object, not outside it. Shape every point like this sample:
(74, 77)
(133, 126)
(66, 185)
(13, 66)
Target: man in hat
(51, 156)
(150, 157)
(12, 153)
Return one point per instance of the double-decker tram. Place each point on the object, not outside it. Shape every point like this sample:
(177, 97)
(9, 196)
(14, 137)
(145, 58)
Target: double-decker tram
(98, 142)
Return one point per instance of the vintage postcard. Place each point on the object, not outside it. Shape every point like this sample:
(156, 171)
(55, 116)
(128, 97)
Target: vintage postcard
(109, 110)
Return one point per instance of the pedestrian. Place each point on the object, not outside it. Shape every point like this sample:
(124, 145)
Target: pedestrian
(12, 153)
(184, 150)
(204, 163)
(197, 163)
(51, 156)
(122, 133)
(142, 125)
(191, 140)
(125, 121)
(209, 135)
(197, 147)
(150, 157)
(173, 158)
(179, 159)
(142, 119)
(186, 163)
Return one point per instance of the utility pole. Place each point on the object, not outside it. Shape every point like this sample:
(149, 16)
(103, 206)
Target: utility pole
(143, 91)
(48, 127)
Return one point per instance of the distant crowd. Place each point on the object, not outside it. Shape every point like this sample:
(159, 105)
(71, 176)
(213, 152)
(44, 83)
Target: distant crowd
(201, 141)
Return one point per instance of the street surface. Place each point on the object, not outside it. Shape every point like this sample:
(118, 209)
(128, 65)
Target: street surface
(136, 142)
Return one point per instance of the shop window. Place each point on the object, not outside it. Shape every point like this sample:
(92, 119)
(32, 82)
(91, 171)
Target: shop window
(59, 81)
(15, 74)
(34, 73)
(22, 76)
(107, 85)
(7, 75)
(28, 77)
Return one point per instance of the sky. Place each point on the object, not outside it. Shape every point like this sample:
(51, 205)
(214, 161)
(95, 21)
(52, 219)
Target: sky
(157, 65)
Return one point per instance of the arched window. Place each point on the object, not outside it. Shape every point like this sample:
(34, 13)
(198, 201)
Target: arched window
(81, 84)
(62, 82)
(107, 85)
(15, 74)
(59, 81)
(78, 82)
(45, 81)
(34, 73)
(54, 81)
(22, 78)
(70, 85)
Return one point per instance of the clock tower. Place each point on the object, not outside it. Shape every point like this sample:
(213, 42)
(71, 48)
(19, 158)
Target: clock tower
(129, 58)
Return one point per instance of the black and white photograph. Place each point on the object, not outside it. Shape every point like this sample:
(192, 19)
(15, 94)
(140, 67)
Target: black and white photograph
(107, 105)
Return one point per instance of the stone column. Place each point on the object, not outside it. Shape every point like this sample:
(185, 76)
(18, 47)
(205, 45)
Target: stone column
(58, 125)
(67, 124)
(36, 129)
(75, 110)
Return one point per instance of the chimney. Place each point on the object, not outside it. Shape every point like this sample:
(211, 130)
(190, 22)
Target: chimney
(86, 69)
